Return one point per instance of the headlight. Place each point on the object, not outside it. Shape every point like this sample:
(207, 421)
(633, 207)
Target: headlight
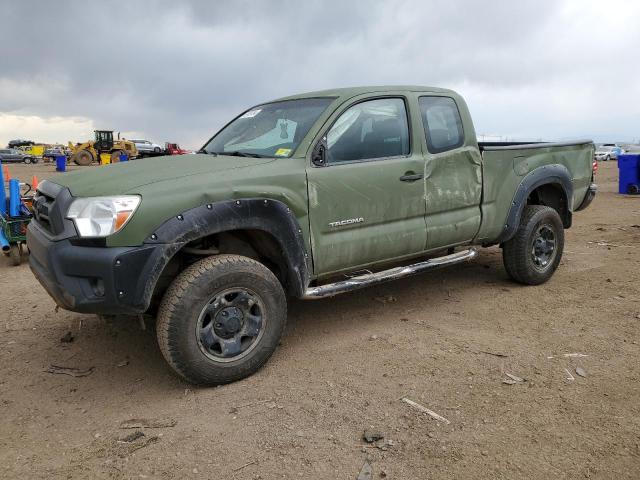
(102, 216)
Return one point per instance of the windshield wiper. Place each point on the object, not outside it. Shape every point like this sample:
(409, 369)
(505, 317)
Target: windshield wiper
(236, 153)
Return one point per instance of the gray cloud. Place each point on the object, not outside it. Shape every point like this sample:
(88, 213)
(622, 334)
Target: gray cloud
(179, 70)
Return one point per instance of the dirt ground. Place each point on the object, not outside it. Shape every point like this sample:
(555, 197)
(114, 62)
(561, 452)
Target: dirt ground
(444, 340)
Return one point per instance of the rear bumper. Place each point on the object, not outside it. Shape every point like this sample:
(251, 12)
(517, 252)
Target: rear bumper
(101, 280)
(589, 196)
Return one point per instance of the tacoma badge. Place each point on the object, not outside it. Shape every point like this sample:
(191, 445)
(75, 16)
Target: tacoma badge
(349, 221)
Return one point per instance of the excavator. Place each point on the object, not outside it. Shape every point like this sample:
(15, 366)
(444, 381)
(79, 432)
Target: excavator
(88, 152)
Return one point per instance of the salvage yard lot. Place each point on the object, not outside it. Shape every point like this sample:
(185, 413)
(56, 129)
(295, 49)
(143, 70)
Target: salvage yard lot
(445, 340)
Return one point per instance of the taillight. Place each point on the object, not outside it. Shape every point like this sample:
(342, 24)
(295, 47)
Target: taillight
(595, 167)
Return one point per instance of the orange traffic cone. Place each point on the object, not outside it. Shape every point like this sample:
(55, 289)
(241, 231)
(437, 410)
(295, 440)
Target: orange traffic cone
(34, 183)
(7, 176)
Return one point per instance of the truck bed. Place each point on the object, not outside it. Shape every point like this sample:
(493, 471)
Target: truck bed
(505, 164)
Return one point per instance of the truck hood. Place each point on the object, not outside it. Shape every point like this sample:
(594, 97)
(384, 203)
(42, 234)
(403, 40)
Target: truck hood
(121, 178)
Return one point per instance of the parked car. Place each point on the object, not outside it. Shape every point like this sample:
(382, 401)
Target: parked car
(309, 196)
(16, 156)
(174, 149)
(20, 143)
(631, 148)
(145, 147)
(605, 153)
(50, 154)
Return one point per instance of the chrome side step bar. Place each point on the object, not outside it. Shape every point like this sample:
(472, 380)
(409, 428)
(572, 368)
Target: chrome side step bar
(362, 281)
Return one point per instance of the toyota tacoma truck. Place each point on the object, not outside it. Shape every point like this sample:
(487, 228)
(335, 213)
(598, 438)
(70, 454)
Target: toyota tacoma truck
(307, 196)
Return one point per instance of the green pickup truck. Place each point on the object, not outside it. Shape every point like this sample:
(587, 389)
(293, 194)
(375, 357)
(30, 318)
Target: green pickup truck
(307, 196)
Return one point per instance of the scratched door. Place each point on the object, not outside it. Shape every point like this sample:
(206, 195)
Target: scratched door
(367, 203)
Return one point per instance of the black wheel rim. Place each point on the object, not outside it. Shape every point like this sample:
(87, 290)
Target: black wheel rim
(543, 249)
(231, 324)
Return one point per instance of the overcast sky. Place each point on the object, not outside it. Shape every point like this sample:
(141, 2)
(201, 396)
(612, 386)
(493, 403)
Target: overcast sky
(178, 70)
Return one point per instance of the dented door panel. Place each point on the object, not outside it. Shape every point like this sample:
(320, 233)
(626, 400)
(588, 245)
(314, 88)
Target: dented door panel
(453, 185)
(361, 213)
(453, 171)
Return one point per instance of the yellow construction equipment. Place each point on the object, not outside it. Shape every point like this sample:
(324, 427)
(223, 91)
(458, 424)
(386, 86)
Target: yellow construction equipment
(88, 152)
(36, 150)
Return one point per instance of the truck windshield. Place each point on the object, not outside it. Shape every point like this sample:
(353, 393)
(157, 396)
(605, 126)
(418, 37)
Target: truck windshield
(269, 130)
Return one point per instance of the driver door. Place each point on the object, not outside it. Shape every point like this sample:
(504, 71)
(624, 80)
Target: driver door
(366, 200)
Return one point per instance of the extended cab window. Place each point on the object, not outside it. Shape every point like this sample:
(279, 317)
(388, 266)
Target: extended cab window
(371, 129)
(269, 130)
(442, 123)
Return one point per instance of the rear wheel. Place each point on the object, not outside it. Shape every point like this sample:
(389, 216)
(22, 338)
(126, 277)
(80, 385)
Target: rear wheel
(221, 319)
(27, 160)
(83, 157)
(533, 254)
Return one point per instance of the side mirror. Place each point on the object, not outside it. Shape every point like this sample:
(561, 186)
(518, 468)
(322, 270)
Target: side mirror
(318, 157)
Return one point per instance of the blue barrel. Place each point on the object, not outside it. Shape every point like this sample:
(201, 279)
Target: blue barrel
(61, 163)
(14, 197)
(629, 173)
(124, 157)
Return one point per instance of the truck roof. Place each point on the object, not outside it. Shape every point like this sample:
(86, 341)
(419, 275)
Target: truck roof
(349, 92)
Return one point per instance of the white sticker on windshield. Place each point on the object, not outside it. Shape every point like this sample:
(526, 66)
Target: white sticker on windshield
(251, 113)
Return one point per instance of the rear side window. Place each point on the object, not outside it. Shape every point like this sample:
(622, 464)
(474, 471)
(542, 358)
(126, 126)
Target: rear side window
(368, 130)
(442, 123)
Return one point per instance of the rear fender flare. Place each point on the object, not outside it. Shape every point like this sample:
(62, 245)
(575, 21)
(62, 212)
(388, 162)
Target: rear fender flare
(557, 175)
(271, 216)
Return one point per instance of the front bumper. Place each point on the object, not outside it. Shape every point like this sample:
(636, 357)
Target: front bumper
(101, 280)
(588, 197)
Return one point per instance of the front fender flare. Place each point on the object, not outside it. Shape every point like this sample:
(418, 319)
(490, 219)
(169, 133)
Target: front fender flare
(555, 174)
(271, 216)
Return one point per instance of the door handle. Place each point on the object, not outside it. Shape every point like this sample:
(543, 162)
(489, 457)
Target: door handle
(410, 177)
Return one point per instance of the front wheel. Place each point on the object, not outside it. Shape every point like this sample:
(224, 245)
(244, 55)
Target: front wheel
(221, 319)
(83, 158)
(533, 254)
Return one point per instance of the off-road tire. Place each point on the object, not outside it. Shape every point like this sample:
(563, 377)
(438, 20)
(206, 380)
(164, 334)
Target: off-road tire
(184, 300)
(83, 158)
(517, 252)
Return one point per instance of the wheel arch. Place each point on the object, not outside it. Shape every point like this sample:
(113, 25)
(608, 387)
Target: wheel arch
(549, 185)
(259, 228)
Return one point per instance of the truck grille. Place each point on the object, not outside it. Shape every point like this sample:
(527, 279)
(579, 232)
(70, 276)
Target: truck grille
(50, 205)
(42, 207)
